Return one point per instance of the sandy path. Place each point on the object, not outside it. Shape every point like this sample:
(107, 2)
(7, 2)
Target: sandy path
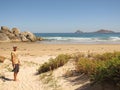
(27, 78)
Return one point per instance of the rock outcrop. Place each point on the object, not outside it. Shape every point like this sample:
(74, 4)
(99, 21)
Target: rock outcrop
(4, 37)
(5, 28)
(8, 35)
(23, 38)
(16, 31)
(30, 36)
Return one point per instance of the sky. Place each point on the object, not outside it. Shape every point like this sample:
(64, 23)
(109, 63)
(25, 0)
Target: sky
(45, 16)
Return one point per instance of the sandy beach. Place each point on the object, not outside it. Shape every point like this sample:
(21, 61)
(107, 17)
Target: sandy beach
(38, 49)
(32, 55)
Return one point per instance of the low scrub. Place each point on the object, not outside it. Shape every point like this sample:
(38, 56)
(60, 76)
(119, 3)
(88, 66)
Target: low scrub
(54, 63)
(87, 66)
(109, 72)
(100, 68)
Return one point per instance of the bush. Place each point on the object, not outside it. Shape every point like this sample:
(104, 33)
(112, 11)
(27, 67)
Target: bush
(87, 66)
(109, 72)
(106, 56)
(54, 63)
(101, 68)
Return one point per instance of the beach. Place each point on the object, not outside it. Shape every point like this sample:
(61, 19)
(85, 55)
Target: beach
(60, 44)
(38, 49)
(33, 54)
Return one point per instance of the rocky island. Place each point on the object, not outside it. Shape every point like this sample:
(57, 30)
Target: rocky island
(104, 31)
(78, 31)
(14, 35)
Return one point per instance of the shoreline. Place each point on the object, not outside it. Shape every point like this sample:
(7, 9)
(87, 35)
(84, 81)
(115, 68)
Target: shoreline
(82, 42)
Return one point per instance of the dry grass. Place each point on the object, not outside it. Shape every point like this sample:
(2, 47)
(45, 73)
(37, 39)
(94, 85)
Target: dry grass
(60, 60)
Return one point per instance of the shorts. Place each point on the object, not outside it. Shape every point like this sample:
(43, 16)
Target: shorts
(16, 69)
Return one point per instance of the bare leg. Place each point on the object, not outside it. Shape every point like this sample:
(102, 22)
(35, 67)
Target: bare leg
(15, 76)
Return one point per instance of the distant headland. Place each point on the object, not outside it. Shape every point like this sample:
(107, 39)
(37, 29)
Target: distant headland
(79, 31)
(104, 31)
(98, 31)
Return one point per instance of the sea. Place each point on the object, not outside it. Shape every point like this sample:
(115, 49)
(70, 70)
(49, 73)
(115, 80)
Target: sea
(79, 38)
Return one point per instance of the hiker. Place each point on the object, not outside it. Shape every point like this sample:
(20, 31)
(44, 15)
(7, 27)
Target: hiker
(15, 62)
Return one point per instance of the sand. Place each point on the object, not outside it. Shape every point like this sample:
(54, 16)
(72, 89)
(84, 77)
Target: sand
(37, 49)
(32, 55)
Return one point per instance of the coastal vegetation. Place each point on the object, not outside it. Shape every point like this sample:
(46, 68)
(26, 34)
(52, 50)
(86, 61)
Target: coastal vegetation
(100, 68)
(60, 60)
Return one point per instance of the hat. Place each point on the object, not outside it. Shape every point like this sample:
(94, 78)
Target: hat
(14, 46)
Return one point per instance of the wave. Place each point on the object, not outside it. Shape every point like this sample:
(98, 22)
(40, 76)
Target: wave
(83, 38)
(80, 38)
(115, 38)
(65, 38)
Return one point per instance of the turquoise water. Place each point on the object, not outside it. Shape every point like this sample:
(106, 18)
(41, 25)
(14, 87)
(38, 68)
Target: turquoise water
(80, 38)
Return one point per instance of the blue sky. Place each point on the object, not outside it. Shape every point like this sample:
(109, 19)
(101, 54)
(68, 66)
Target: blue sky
(60, 15)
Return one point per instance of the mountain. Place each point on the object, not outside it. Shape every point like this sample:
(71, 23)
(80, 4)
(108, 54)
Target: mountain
(78, 31)
(104, 31)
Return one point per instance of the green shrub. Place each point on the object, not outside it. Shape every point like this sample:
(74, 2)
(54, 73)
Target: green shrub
(54, 63)
(106, 56)
(110, 72)
(101, 68)
(87, 66)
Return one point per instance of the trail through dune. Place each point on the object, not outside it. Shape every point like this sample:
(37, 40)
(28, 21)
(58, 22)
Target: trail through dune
(27, 78)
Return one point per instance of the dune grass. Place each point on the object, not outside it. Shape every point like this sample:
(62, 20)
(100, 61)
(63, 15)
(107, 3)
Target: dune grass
(60, 60)
(49, 79)
(100, 68)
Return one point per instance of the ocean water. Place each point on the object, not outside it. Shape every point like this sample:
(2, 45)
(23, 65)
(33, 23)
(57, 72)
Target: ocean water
(80, 38)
